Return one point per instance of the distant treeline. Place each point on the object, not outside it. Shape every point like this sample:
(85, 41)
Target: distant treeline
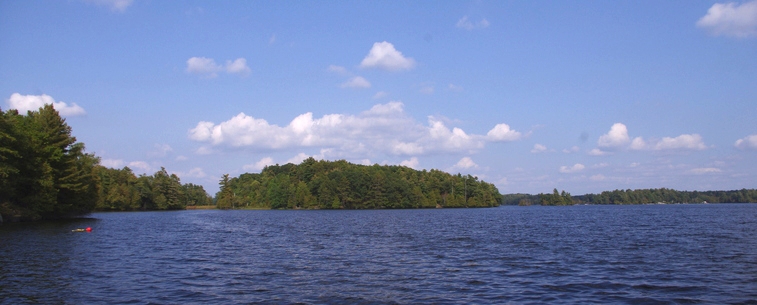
(121, 190)
(46, 174)
(343, 185)
(642, 196)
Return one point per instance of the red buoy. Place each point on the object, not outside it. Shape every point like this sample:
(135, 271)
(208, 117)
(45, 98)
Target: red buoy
(89, 229)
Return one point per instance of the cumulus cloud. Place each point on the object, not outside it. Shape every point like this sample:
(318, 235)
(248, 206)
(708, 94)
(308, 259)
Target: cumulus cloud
(24, 103)
(258, 166)
(238, 66)
(465, 163)
(538, 148)
(385, 128)
(747, 143)
(598, 152)
(139, 166)
(161, 150)
(356, 82)
(464, 23)
(412, 163)
(617, 138)
(384, 56)
(503, 133)
(209, 68)
(685, 141)
(297, 159)
(114, 5)
(112, 163)
(196, 172)
(731, 19)
(572, 169)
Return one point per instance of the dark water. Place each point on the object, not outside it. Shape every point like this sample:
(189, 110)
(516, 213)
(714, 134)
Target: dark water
(673, 254)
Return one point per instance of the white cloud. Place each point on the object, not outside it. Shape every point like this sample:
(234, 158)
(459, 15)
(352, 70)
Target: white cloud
(704, 170)
(383, 55)
(209, 68)
(161, 150)
(139, 166)
(502, 133)
(597, 177)
(600, 165)
(464, 23)
(114, 5)
(683, 142)
(572, 169)
(749, 142)
(297, 159)
(238, 66)
(196, 172)
(385, 128)
(181, 158)
(598, 152)
(465, 163)
(24, 103)
(356, 82)
(731, 19)
(412, 163)
(615, 138)
(538, 148)
(258, 166)
(427, 90)
(112, 163)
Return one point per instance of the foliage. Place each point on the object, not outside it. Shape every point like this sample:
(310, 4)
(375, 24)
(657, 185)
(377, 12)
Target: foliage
(664, 195)
(556, 198)
(44, 172)
(342, 185)
(121, 190)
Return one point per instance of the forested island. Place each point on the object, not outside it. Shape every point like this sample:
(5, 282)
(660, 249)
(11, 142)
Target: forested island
(641, 196)
(342, 185)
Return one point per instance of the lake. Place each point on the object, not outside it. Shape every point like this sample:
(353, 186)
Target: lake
(654, 254)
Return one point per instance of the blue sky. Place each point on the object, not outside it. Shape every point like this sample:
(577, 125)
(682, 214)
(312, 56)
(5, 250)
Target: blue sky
(583, 96)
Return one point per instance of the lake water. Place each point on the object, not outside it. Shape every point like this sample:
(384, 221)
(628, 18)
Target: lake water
(654, 254)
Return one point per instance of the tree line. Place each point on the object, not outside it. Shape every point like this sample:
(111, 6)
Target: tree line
(640, 196)
(121, 190)
(342, 185)
(46, 174)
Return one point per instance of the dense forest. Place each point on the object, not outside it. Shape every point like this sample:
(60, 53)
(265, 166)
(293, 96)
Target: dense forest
(664, 195)
(643, 196)
(342, 185)
(121, 190)
(46, 174)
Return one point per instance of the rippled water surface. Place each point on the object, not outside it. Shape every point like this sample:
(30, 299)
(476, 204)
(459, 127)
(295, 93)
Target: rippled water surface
(582, 254)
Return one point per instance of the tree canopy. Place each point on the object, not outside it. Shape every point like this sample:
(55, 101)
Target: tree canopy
(44, 171)
(46, 174)
(343, 185)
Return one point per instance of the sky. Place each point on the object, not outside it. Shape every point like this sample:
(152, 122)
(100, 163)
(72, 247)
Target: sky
(582, 96)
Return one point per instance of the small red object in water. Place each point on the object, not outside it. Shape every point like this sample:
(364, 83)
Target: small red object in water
(89, 229)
